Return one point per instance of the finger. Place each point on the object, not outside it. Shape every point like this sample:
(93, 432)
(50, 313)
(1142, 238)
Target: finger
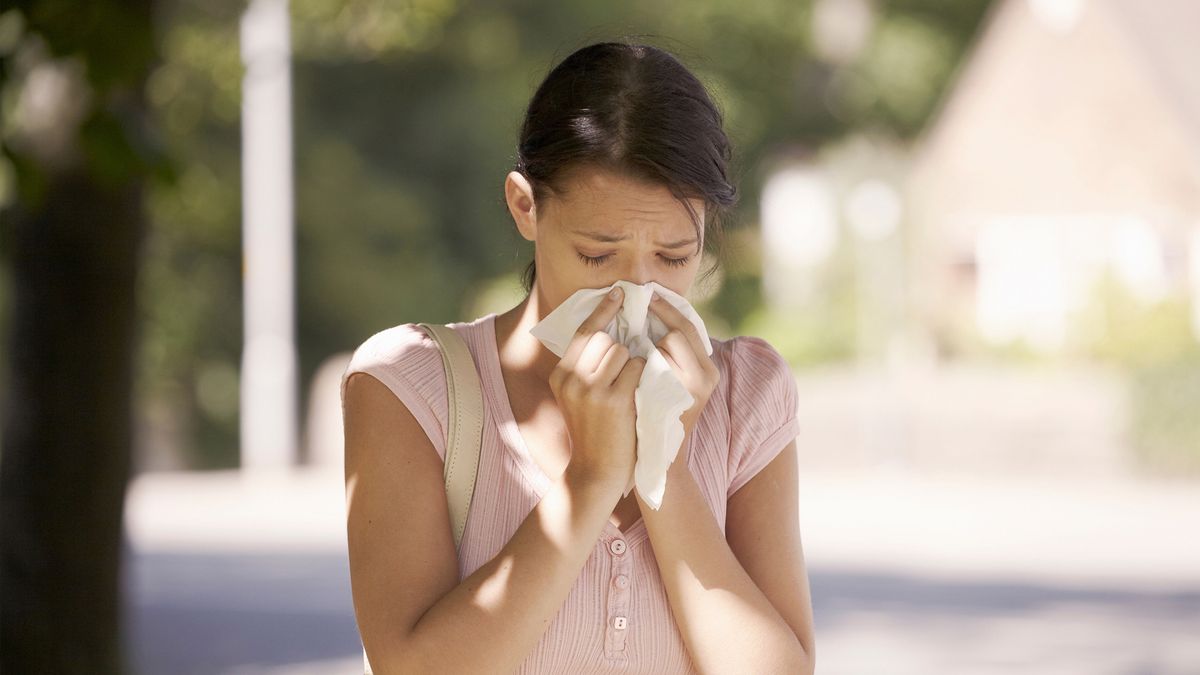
(596, 321)
(673, 318)
(631, 374)
(678, 351)
(611, 364)
(598, 345)
(604, 312)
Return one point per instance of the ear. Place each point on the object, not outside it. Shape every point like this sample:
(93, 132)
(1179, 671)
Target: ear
(519, 195)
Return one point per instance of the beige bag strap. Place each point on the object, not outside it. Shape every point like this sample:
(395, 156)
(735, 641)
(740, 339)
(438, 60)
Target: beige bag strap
(465, 400)
(465, 433)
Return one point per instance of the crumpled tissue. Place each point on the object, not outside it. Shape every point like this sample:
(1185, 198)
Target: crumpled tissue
(661, 397)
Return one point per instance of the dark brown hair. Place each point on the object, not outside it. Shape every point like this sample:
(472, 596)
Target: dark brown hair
(635, 110)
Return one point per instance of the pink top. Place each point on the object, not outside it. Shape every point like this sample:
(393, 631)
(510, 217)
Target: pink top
(616, 618)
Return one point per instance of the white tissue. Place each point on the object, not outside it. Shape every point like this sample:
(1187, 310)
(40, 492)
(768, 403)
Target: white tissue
(661, 398)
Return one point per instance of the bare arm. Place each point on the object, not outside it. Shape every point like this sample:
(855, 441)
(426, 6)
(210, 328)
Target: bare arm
(413, 615)
(727, 621)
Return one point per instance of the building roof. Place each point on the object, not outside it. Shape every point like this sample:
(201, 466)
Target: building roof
(1164, 32)
(1070, 106)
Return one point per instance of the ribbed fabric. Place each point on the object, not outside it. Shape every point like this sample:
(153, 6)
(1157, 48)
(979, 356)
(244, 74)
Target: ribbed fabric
(749, 419)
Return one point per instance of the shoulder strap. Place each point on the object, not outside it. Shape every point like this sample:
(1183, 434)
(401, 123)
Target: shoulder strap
(465, 399)
(465, 431)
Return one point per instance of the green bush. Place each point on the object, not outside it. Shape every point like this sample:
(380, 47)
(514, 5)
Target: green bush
(1165, 424)
(1155, 345)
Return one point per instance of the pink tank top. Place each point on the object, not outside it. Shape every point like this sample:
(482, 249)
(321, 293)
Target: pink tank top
(616, 618)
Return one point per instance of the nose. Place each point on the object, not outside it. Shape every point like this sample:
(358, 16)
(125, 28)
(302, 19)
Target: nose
(638, 272)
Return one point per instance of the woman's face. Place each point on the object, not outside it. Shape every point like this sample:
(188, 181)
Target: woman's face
(606, 228)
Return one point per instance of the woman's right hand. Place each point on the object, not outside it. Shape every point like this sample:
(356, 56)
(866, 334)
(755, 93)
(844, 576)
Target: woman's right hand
(594, 384)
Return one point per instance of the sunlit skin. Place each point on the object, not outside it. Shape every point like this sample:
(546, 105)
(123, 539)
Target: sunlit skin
(718, 583)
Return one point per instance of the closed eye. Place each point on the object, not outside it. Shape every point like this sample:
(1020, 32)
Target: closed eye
(600, 260)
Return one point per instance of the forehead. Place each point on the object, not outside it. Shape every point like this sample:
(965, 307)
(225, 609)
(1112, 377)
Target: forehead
(606, 200)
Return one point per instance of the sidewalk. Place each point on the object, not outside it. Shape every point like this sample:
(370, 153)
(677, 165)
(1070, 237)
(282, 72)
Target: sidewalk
(1124, 532)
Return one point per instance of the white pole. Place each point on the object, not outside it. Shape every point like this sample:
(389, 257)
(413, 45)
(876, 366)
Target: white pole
(269, 372)
(1194, 256)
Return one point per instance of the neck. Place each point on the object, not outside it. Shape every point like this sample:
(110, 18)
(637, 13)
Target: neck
(518, 350)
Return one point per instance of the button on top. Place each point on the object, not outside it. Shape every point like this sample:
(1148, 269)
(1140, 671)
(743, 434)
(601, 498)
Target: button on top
(622, 581)
(617, 546)
(620, 623)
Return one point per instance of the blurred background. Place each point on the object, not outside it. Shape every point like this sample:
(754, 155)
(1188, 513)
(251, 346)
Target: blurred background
(972, 226)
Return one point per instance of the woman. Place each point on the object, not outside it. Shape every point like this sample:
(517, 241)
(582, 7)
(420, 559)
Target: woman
(621, 174)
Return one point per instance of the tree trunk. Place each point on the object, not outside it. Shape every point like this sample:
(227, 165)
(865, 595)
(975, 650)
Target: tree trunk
(67, 427)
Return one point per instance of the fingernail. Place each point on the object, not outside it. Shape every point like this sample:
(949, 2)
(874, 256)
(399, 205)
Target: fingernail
(615, 293)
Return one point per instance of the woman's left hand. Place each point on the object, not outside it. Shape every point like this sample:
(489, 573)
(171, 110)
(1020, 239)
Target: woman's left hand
(684, 350)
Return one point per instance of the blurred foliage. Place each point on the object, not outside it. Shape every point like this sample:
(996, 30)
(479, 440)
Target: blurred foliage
(1134, 333)
(1165, 428)
(406, 118)
(826, 329)
(191, 277)
(1155, 344)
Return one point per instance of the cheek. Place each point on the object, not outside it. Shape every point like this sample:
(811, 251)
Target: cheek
(561, 268)
(551, 252)
(690, 270)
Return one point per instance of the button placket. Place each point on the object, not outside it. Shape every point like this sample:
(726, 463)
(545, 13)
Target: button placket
(618, 599)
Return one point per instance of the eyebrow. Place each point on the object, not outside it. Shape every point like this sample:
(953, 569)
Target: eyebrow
(609, 238)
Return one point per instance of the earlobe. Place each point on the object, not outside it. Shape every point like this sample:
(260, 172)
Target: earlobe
(519, 195)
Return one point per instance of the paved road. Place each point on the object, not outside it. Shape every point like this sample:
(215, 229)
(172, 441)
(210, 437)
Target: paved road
(202, 614)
